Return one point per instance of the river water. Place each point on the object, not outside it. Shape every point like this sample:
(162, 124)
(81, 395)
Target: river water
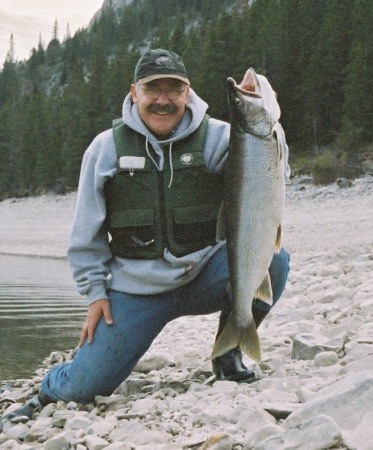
(40, 312)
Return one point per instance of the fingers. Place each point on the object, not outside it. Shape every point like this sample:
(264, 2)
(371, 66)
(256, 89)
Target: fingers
(107, 313)
(83, 334)
(96, 310)
(91, 327)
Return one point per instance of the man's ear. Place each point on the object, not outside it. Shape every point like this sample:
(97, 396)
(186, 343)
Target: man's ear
(134, 93)
(187, 92)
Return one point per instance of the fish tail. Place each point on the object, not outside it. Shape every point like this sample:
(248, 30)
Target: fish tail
(228, 338)
(250, 343)
(232, 336)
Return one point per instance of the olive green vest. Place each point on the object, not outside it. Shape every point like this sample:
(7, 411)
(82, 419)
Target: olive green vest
(145, 214)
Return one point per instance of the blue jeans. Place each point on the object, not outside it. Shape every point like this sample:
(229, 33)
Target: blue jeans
(100, 367)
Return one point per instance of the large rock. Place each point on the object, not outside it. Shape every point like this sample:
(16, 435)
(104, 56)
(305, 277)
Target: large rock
(59, 442)
(134, 434)
(307, 346)
(349, 401)
(153, 362)
(303, 436)
(95, 443)
(18, 431)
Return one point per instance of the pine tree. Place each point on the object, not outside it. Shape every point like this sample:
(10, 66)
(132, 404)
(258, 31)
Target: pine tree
(96, 101)
(9, 77)
(326, 71)
(73, 121)
(177, 39)
(37, 142)
(357, 107)
(53, 52)
(10, 57)
(317, 55)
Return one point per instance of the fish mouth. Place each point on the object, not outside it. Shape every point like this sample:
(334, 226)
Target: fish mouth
(233, 86)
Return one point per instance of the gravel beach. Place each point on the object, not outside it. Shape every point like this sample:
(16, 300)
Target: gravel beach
(315, 387)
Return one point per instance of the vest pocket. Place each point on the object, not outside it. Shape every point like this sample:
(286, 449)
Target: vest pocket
(195, 225)
(132, 231)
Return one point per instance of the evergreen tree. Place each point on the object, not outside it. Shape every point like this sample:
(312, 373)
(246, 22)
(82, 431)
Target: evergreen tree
(162, 38)
(10, 57)
(317, 55)
(177, 39)
(6, 154)
(73, 121)
(120, 78)
(38, 143)
(326, 71)
(105, 29)
(96, 101)
(305, 135)
(358, 107)
(54, 51)
(35, 61)
(9, 81)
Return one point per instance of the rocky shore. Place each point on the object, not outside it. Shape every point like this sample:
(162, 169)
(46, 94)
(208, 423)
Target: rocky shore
(315, 387)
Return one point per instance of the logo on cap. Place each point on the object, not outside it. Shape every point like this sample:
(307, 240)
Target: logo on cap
(163, 60)
(186, 158)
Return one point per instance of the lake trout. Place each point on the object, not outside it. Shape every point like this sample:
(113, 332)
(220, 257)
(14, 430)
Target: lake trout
(252, 209)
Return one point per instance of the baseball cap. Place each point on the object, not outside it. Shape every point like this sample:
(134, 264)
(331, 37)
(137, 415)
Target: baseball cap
(160, 63)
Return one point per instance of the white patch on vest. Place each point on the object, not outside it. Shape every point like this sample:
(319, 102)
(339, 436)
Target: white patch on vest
(132, 162)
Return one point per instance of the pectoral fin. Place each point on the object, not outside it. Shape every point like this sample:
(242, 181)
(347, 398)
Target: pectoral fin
(278, 242)
(264, 291)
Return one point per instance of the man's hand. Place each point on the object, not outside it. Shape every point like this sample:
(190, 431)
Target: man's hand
(95, 311)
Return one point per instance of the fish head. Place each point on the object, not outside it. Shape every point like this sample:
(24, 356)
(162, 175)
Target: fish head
(253, 104)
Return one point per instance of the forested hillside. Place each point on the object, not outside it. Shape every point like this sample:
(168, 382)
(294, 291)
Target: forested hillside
(317, 55)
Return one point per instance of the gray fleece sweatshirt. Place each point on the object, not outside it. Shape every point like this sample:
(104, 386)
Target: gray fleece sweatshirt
(93, 266)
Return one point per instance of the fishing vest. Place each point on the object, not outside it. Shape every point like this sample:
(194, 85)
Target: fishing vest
(150, 210)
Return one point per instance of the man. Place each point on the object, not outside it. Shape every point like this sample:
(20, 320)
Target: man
(143, 244)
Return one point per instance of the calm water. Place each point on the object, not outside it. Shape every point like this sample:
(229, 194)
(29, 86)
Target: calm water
(40, 312)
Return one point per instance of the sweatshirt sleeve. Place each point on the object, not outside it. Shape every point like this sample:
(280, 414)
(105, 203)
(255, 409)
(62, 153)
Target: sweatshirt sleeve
(88, 250)
(216, 145)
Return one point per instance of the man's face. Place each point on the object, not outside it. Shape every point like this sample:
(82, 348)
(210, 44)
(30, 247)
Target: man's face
(159, 112)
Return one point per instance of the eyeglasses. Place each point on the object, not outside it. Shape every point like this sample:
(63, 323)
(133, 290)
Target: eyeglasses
(153, 93)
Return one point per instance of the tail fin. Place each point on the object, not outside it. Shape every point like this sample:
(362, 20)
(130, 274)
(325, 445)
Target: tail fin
(246, 338)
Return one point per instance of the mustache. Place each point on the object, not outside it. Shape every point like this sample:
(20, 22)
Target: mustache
(168, 109)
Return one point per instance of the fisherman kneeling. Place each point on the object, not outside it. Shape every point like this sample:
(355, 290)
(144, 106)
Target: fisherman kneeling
(143, 245)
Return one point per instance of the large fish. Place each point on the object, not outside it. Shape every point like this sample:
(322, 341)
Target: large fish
(252, 210)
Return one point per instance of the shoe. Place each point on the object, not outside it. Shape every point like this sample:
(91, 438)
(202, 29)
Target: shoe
(26, 410)
(230, 367)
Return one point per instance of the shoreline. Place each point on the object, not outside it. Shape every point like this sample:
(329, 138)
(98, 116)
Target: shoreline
(22, 255)
(317, 350)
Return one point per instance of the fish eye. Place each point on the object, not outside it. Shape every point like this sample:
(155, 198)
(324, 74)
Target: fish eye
(238, 101)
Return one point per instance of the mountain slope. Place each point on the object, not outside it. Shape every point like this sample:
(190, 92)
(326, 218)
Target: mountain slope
(116, 4)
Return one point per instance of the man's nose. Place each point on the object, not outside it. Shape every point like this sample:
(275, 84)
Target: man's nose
(163, 99)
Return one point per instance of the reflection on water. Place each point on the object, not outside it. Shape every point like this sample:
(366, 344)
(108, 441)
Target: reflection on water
(40, 312)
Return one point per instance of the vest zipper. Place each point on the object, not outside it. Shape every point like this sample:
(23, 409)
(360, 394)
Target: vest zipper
(162, 207)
